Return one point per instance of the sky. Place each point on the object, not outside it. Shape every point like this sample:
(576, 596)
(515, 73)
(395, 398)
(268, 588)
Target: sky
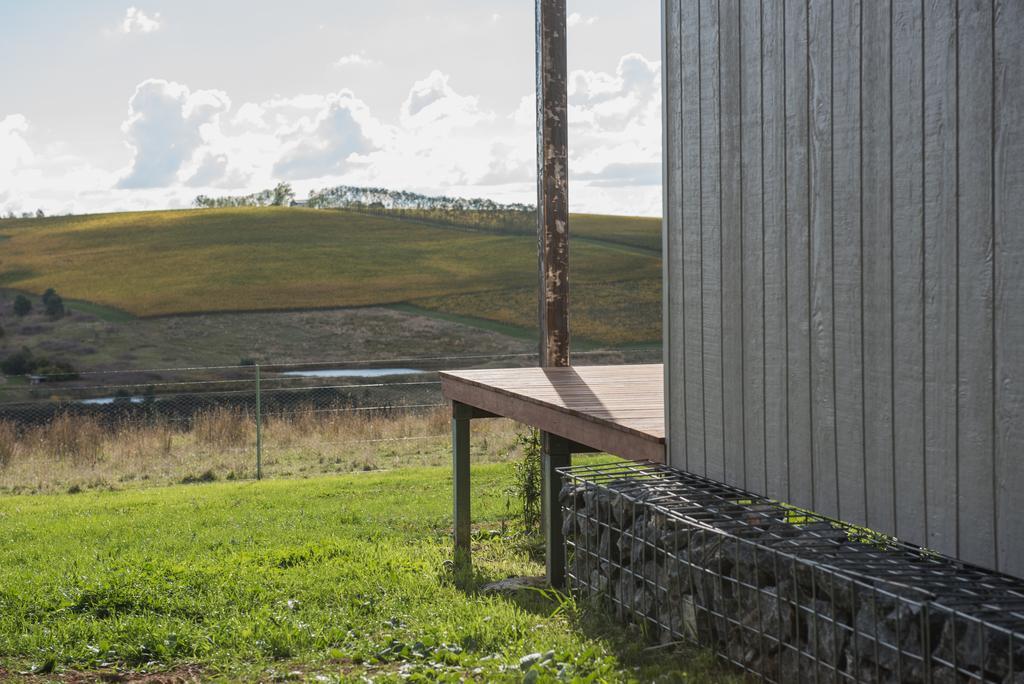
(110, 106)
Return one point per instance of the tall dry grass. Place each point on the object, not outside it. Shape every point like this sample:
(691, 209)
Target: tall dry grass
(223, 428)
(8, 443)
(72, 438)
(75, 452)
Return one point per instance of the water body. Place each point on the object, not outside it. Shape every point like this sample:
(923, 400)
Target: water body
(99, 401)
(352, 372)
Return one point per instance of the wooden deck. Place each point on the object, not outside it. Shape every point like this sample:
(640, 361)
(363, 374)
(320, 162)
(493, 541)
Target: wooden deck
(615, 409)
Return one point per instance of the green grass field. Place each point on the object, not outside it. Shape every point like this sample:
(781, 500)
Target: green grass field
(330, 579)
(187, 262)
(632, 231)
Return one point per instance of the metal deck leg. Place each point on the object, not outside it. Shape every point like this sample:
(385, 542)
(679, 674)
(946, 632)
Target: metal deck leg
(555, 453)
(461, 415)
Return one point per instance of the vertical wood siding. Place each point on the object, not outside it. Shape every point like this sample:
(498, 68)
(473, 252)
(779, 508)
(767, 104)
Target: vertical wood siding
(845, 260)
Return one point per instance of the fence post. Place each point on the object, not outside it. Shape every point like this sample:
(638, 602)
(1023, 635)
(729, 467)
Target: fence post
(259, 428)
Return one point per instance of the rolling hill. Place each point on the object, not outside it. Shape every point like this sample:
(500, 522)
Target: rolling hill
(273, 259)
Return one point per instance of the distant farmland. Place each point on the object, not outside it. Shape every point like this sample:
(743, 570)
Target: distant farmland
(273, 259)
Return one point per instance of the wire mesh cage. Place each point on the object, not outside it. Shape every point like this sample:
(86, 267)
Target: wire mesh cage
(784, 594)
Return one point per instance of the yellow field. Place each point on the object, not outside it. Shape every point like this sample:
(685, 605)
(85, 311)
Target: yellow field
(193, 261)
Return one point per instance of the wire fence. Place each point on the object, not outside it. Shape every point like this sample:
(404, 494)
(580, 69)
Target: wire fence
(787, 595)
(242, 417)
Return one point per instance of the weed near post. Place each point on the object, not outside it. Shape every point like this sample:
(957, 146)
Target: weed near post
(526, 479)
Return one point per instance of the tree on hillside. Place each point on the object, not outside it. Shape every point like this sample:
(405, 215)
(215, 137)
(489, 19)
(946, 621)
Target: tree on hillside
(40, 214)
(24, 362)
(22, 306)
(18, 363)
(53, 304)
(283, 195)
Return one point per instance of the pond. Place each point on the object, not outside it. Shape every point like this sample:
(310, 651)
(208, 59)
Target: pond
(352, 372)
(111, 400)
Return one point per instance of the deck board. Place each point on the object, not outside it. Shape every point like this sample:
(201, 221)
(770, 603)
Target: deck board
(615, 409)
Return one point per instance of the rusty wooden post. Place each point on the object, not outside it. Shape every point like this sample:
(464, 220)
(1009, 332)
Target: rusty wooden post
(552, 183)
(553, 250)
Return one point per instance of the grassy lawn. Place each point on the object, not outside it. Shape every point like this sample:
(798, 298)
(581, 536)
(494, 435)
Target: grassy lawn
(173, 262)
(633, 231)
(334, 578)
(103, 313)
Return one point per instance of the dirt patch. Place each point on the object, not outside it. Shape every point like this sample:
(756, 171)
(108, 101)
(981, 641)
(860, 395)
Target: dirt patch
(186, 674)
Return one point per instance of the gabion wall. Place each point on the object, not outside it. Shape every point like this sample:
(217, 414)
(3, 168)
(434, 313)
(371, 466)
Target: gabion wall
(781, 593)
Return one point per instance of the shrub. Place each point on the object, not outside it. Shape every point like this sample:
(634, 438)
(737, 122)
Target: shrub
(206, 476)
(526, 479)
(53, 304)
(22, 306)
(55, 371)
(24, 362)
(18, 363)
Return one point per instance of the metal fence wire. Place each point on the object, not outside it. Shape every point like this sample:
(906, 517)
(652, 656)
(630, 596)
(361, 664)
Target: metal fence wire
(181, 401)
(247, 419)
(786, 595)
(115, 397)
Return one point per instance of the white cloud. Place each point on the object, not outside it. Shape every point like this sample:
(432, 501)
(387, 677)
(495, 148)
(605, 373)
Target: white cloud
(631, 94)
(508, 163)
(615, 119)
(614, 136)
(438, 140)
(209, 171)
(250, 114)
(355, 59)
(14, 148)
(37, 176)
(330, 143)
(577, 19)
(433, 103)
(137, 21)
(166, 125)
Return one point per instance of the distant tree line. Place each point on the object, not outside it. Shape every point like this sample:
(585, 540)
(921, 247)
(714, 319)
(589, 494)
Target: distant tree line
(38, 213)
(280, 195)
(475, 213)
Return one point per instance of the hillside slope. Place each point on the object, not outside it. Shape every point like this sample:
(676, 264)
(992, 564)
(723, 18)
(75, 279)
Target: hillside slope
(194, 261)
